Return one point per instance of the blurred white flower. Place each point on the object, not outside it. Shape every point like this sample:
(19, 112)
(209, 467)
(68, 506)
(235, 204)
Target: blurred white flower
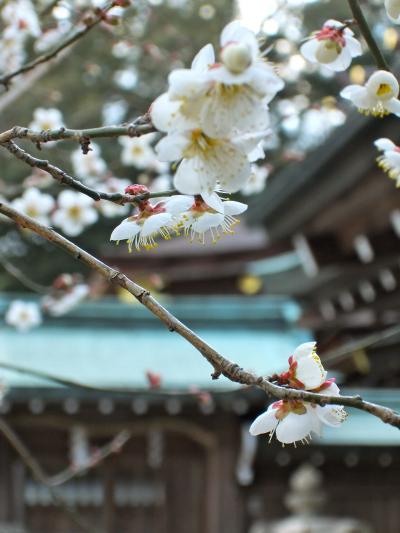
(110, 209)
(390, 160)
(46, 119)
(91, 166)
(23, 315)
(56, 305)
(75, 212)
(51, 37)
(393, 10)
(378, 97)
(22, 15)
(138, 151)
(256, 182)
(333, 46)
(35, 204)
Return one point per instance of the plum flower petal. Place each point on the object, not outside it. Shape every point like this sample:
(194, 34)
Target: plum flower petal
(308, 368)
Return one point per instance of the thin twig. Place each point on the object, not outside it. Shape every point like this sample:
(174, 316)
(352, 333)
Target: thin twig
(37, 471)
(220, 364)
(367, 34)
(78, 34)
(20, 276)
(65, 179)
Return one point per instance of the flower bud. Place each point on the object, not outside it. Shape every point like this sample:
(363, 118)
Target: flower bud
(327, 51)
(236, 57)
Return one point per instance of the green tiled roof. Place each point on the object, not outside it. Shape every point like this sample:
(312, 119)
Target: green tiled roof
(111, 344)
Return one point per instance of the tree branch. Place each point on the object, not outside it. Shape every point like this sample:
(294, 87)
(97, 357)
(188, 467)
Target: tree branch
(367, 34)
(114, 446)
(78, 34)
(65, 179)
(140, 126)
(220, 364)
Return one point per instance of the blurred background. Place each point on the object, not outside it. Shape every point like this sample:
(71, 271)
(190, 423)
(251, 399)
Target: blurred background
(315, 257)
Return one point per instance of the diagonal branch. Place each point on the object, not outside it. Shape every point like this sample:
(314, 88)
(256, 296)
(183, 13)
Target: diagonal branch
(78, 34)
(220, 364)
(367, 34)
(65, 179)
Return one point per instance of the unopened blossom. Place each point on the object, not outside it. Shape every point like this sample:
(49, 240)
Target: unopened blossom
(393, 10)
(91, 166)
(138, 151)
(293, 421)
(333, 46)
(378, 97)
(389, 161)
(74, 213)
(46, 119)
(256, 182)
(112, 209)
(35, 204)
(151, 221)
(207, 162)
(209, 215)
(23, 315)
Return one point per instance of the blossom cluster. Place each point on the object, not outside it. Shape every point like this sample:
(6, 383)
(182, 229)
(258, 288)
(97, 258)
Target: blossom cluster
(334, 47)
(294, 420)
(215, 116)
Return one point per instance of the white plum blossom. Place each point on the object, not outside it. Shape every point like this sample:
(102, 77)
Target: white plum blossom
(138, 151)
(207, 161)
(111, 209)
(333, 46)
(220, 98)
(35, 204)
(91, 166)
(208, 214)
(75, 212)
(393, 10)
(256, 182)
(46, 119)
(389, 161)
(293, 420)
(378, 97)
(243, 84)
(23, 315)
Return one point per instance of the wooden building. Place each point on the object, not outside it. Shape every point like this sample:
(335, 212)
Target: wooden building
(190, 465)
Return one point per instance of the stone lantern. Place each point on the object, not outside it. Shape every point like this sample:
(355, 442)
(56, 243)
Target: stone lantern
(305, 500)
